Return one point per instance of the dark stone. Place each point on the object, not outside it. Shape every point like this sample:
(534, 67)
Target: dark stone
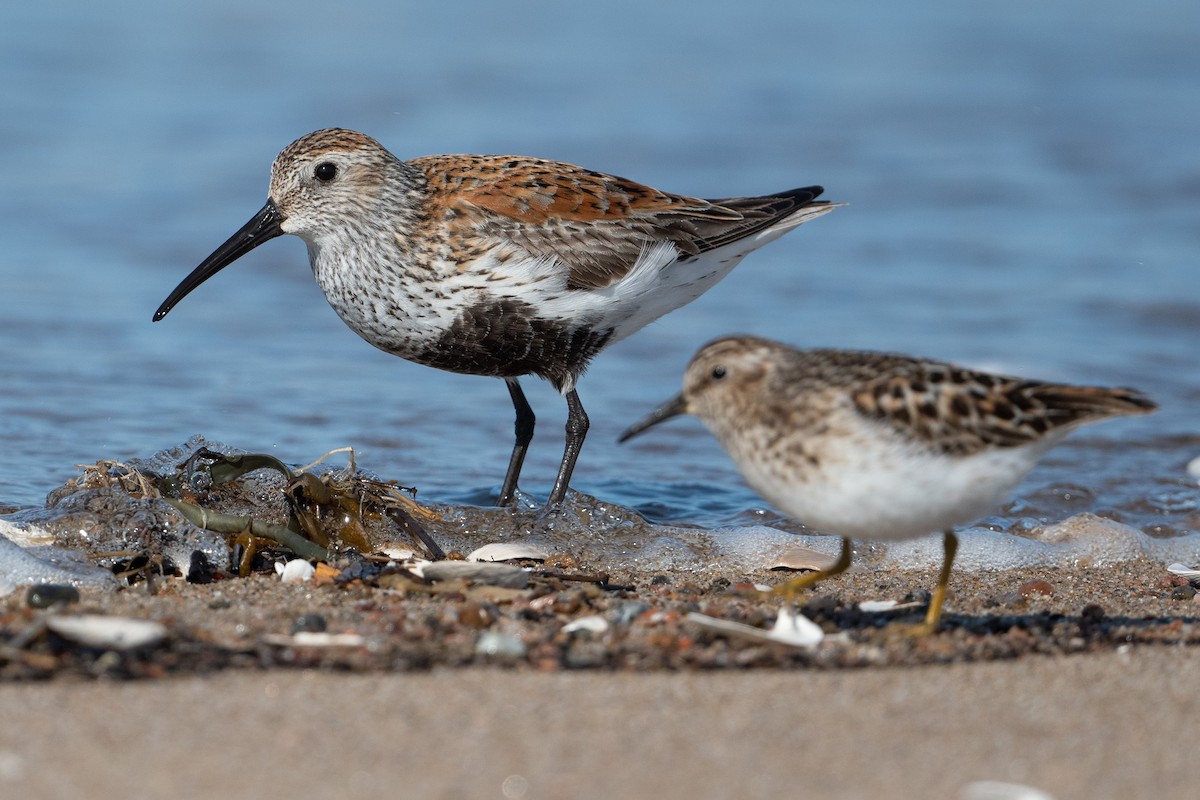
(1183, 593)
(46, 595)
(200, 570)
(309, 623)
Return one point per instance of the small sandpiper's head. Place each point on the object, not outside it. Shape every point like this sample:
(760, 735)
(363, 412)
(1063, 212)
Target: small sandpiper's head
(321, 185)
(722, 379)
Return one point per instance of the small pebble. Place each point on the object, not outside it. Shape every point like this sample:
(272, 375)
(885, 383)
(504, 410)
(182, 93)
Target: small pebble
(309, 623)
(825, 603)
(1036, 587)
(475, 615)
(45, 595)
(499, 645)
(1183, 593)
(628, 611)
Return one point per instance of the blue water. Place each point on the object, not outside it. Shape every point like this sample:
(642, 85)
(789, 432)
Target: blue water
(1023, 185)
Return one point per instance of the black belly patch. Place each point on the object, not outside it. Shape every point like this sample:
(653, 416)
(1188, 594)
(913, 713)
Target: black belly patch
(506, 339)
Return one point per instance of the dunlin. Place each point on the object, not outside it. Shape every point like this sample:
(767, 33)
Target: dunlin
(878, 446)
(499, 265)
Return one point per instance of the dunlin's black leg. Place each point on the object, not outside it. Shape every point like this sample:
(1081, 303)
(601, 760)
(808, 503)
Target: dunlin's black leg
(524, 430)
(577, 428)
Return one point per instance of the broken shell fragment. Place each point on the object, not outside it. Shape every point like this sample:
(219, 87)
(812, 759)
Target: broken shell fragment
(593, 623)
(800, 557)
(1184, 571)
(871, 606)
(108, 633)
(492, 574)
(790, 628)
(316, 639)
(295, 571)
(508, 551)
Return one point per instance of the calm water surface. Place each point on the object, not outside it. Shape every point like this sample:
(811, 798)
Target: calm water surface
(1023, 186)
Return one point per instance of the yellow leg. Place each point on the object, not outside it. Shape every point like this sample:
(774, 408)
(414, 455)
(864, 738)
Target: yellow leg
(794, 587)
(950, 544)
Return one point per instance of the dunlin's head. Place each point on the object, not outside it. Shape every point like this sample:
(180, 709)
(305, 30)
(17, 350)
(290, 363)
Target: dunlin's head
(323, 185)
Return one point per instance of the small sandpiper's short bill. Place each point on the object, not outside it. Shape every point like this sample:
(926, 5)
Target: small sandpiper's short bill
(499, 265)
(878, 446)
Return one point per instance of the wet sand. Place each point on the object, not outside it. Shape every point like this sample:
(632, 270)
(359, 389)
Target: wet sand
(1116, 724)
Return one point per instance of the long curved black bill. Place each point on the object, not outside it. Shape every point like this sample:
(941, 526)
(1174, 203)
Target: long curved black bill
(671, 408)
(262, 227)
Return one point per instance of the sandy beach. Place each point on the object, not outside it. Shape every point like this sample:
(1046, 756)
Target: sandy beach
(576, 676)
(1114, 724)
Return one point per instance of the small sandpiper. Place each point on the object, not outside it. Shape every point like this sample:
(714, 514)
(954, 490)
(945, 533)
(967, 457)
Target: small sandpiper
(878, 446)
(499, 265)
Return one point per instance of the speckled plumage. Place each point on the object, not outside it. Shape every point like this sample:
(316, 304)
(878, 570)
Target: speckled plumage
(499, 265)
(874, 445)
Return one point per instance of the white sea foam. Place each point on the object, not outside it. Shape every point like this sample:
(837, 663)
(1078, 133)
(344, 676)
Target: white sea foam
(33, 564)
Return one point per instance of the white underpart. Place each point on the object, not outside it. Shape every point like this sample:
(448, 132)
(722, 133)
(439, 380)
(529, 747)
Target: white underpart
(876, 487)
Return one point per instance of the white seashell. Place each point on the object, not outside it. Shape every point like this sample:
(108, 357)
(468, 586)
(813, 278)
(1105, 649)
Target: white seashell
(877, 605)
(791, 629)
(322, 639)
(593, 623)
(399, 553)
(508, 551)
(110, 633)
(798, 556)
(295, 571)
(885, 605)
(1184, 571)
(996, 790)
(316, 639)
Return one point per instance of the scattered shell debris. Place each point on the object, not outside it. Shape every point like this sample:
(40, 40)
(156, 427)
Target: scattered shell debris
(295, 571)
(799, 557)
(108, 633)
(593, 623)
(789, 628)
(509, 551)
(878, 606)
(1184, 571)
(316, 639)
(205, 557)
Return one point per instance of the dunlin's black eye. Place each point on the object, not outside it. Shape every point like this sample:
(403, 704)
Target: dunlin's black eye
(718, 373)
(325, 171)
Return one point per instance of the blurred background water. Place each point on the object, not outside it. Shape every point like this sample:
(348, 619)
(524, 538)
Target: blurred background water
(1023, 184)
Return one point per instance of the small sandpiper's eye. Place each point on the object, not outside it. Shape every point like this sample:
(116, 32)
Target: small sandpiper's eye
(718, 373)
(325, 171)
